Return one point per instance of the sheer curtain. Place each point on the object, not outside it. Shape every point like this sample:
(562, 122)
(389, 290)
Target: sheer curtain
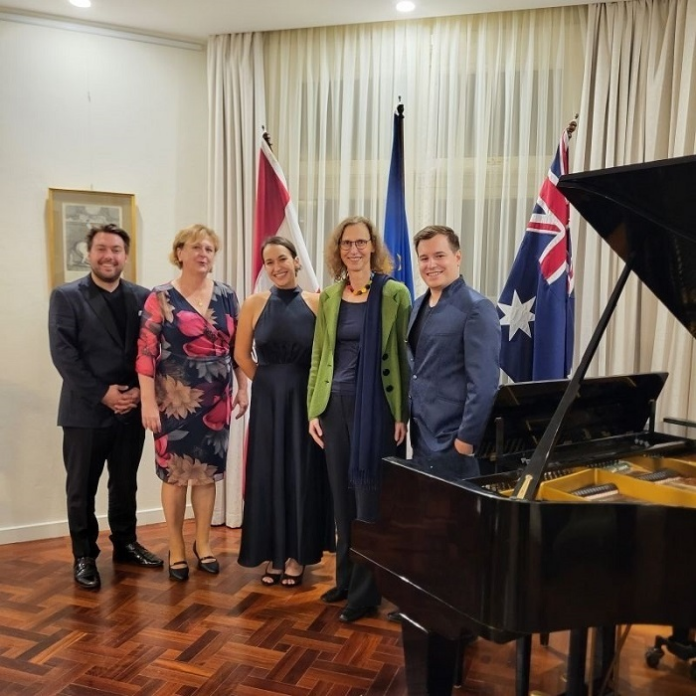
(236, 109)
(486, 98)
(638, 104)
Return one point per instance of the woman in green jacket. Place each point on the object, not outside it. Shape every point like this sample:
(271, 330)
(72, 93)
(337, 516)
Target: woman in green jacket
(358, 391)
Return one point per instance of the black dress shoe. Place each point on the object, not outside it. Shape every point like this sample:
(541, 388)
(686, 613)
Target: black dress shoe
(395, 616)
(350, 614)
(178, 570)
(335, 594)
(86, 573)
(208, 563)
(138, 554)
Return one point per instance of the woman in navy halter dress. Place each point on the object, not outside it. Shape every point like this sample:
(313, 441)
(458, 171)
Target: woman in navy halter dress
(288, 517)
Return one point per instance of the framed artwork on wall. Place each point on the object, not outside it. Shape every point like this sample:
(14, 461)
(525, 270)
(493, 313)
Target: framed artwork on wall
(71, 214)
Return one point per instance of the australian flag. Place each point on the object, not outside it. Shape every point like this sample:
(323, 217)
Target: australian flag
(396, 236)
(537, 304)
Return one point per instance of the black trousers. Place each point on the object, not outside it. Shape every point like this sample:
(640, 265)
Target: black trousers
(85, 450)
(350, 502)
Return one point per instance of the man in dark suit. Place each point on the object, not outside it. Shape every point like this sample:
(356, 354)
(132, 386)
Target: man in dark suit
(93, 332)
(454, 350)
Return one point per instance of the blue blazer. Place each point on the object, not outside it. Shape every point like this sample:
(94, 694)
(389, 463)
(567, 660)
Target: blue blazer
(455, 374)
(89, 352)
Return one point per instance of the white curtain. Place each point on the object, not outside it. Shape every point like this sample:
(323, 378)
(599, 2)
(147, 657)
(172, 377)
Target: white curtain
(236, 105)
(486, 98)
(638, 105)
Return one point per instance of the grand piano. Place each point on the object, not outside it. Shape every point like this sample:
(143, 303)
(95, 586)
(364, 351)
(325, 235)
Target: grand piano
(576, 513)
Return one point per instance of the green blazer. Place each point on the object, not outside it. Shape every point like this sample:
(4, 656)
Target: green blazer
(396, 308)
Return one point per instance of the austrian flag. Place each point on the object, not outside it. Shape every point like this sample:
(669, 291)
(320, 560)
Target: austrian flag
(537, 304)
(275, 215)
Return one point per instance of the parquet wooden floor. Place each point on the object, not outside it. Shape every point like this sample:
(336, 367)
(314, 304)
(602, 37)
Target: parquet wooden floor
(228, 635)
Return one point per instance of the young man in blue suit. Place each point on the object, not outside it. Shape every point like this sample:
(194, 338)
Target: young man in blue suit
(453, 352)
(93, 332)
(454, 349)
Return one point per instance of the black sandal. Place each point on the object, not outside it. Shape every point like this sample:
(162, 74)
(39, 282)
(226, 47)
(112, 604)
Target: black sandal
(295, 580)
(269, 578)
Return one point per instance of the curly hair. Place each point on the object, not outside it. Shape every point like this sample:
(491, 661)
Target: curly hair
(380, 260)
(192, 233)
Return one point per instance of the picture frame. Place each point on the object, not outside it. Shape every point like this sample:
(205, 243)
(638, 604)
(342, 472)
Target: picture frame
(71, 214)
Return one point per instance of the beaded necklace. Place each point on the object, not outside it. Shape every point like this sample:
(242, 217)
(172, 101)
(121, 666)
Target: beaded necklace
(363, 290)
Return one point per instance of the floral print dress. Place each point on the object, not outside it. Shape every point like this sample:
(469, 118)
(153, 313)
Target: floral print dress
(190, 358)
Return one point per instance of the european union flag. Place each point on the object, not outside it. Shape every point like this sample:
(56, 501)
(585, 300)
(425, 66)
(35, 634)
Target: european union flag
(537, 304)
(395, 223)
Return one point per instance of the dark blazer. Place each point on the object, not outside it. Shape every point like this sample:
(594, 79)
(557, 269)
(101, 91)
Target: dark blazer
(88, 351)
(455, 375)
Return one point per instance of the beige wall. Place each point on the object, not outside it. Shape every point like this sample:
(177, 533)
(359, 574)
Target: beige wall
(82, 111)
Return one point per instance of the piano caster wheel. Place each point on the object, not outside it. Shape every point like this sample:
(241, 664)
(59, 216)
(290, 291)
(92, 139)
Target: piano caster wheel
(653, 657)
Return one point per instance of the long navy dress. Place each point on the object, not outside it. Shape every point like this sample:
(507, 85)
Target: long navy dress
(287, 503)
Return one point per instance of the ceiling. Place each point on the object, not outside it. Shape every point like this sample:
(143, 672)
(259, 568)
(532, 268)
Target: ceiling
(197, 19)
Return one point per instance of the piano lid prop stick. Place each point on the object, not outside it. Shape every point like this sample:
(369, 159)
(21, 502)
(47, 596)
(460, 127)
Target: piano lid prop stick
(528, 484)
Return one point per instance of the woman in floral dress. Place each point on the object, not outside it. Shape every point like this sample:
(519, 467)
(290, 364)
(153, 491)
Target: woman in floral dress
(185, 367)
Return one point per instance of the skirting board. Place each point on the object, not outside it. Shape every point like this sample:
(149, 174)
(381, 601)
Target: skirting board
(51, 530)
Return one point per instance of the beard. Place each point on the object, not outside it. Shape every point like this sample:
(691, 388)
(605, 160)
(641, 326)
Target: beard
(107, 276)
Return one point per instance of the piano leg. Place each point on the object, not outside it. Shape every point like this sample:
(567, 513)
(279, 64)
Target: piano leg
(606, 651)
(577, 656)
(459, 663)
(430, 660)
(602, 662)
(523, 662)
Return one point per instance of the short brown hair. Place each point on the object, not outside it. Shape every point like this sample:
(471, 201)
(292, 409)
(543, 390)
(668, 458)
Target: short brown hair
(192, 233)
(432, 231)
(108, 229)
(380, 261)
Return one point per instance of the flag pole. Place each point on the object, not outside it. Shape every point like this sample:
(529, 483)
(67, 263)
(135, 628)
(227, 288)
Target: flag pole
(396, 237)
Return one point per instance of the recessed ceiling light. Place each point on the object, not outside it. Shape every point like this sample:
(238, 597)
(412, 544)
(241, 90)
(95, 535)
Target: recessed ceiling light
(405, 6)
(81, 3)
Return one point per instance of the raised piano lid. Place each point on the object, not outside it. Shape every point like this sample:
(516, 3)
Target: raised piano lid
(647, 210)
(605, 408)
(643, 211)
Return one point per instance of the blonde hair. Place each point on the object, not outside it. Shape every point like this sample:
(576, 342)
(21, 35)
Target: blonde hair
(380, 260)
(192, 233)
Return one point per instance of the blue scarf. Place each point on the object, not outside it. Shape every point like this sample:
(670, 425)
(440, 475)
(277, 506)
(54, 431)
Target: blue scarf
(368, 424)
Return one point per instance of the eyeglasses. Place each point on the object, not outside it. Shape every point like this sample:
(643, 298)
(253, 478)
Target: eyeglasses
(360, 244)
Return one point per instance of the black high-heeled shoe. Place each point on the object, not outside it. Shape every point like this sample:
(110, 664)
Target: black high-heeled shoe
(180, 573)
(208, 563)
